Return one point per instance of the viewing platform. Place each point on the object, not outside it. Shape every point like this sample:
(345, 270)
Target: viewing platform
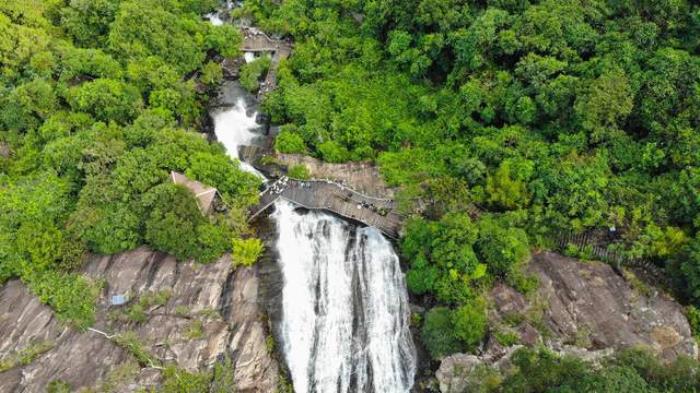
(335, 198)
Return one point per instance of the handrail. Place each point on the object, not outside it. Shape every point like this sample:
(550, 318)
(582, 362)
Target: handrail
(329, 181)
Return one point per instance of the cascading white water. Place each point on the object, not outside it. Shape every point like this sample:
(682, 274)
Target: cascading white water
(233, 126)
(345, 310)
(248, 56)
(344, 306)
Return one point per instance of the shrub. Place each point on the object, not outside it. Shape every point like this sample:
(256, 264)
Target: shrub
(438, 333)
(693, 315)
(130, 342)
(470, 322)
(59, 386)
(222, 380)
(506, 338)
(290, 142)
(25, 356)
(300, 172)
(332, 151)
(246, 251)
(213, 241)
(176, 380)
(253, 72)
(500, 247)
(71, 296)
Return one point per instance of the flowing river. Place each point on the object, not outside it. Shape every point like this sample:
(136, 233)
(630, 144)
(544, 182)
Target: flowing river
(344, 307)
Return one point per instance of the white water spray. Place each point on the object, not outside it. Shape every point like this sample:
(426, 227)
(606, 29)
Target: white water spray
(344, 306)
(233, 128)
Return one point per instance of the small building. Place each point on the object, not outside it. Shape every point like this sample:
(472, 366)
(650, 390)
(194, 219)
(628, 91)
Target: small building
(204, 195)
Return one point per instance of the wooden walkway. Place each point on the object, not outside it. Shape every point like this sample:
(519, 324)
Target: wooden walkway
(336, 198)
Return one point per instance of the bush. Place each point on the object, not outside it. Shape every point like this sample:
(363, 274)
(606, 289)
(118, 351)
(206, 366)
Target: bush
(246, 251)
(71, 296)
(438, 333)
(253, 72)
(501, 248)
(332, 151)
(180, 381)
(470, 323)
(693, 315)
(300, 172)
(173, 220)
(213, 240)
(290, 142)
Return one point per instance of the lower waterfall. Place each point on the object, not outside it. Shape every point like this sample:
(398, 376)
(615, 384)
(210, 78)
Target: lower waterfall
(345, 310)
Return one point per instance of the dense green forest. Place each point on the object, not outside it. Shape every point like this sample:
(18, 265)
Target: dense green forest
(99, 101)
(538, 117)
(503, 123)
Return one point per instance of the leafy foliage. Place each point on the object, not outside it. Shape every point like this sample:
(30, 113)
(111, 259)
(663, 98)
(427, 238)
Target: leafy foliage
(253, 72)
(246, 251)
(99, 99)
(537, 117)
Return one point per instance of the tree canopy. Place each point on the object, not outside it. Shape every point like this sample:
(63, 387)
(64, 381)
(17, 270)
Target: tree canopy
(538, 118)
(98, 105)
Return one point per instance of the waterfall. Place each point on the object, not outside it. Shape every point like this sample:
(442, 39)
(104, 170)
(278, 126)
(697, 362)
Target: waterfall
(345, 311)
(235, 122)
(344, 323)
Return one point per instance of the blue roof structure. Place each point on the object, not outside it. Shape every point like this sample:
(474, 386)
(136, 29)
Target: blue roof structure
(118, 300)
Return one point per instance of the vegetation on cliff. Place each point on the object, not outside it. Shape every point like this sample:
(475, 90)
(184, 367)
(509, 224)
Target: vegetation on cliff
(98, 103)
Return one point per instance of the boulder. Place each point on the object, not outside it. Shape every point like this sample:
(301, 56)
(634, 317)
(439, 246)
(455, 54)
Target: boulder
(455, 371)
(206, 312)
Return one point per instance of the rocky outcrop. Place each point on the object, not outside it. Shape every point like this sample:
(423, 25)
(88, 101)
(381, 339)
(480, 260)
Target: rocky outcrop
(581, 309)
(457, 372)
(190, 315)
(361, 176)
(590, 304)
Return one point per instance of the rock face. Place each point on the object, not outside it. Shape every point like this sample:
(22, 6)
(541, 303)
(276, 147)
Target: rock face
(204, 313)
(455, 372)
(361, 176)
(590, 303)
(588, 311)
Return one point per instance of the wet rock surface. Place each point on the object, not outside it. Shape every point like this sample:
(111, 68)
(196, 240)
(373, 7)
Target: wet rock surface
(585, 309)
(196, 314)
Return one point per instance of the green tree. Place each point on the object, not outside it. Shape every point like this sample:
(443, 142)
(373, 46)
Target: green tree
(106, 100)
(172, 221)
(470, 323)
(438, 333)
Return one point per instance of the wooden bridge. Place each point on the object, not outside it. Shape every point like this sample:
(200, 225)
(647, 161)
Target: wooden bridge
(336, 198)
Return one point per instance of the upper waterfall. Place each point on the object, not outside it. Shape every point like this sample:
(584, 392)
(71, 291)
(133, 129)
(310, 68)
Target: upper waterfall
(344, 305)
(235, 122)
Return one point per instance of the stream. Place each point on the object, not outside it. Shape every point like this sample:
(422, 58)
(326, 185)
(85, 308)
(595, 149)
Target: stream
(344, 323)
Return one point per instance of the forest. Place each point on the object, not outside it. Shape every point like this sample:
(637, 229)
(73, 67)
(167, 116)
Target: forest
(100, 100)
(506, 124)
(503, 124)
